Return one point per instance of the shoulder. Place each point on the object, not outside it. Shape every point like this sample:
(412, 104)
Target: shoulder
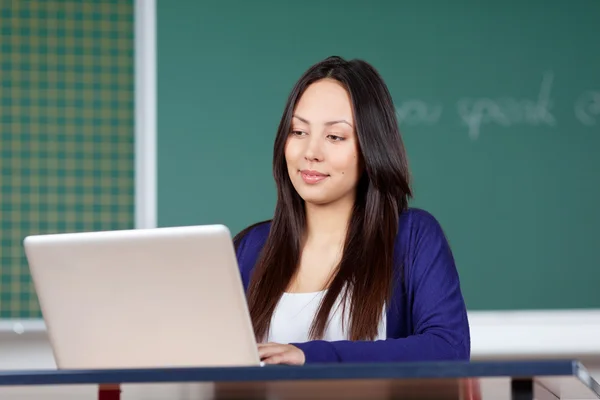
(416, 225)
(421, 241)
(248, 244)
(417, 216)
(255, 232)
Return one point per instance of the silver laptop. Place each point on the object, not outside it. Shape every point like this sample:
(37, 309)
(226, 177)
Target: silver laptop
(164, 297)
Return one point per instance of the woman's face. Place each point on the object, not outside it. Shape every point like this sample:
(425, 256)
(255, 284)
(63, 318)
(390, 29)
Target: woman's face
(322, 151)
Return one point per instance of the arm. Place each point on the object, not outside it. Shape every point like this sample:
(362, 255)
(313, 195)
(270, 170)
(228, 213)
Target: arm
(441, 330)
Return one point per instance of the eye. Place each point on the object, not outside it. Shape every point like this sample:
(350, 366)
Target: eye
(297, 133)
(335, 138)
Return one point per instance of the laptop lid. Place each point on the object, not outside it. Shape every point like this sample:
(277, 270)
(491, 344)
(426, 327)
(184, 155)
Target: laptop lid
(164, 297)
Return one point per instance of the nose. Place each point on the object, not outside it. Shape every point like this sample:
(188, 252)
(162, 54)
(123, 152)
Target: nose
(313, 151)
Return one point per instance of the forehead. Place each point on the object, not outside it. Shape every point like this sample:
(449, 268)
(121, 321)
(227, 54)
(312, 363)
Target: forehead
(325, 100)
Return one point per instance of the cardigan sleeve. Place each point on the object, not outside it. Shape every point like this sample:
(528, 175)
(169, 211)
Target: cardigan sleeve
(441, 329)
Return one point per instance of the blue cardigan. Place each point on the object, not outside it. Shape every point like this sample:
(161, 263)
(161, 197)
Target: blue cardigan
(427, 317)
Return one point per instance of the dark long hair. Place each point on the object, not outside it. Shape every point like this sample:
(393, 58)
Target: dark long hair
(365, 272)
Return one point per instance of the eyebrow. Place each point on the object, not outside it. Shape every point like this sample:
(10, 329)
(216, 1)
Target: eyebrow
(328, 123)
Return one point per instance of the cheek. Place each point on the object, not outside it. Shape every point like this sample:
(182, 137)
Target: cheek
(347, 164)
(289, 152)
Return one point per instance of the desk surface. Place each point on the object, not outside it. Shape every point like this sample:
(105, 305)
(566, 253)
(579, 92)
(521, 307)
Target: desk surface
(563, 378)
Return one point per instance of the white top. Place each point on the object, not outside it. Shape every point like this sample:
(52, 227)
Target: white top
(294, 314)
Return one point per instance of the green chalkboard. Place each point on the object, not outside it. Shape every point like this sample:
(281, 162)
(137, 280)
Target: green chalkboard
(498, 103)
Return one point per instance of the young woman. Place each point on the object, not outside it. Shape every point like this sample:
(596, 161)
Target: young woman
(346, 271)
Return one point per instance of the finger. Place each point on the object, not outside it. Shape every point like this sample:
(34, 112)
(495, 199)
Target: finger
(270, 351)
(287, 358)
(268, 344)
(276, 359)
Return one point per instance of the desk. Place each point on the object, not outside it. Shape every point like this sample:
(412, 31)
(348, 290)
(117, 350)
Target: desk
(518, 380)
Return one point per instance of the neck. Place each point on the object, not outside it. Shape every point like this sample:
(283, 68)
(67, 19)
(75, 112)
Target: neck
(328, 223)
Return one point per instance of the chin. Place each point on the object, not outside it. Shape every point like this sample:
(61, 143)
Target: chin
(318, 199)
(309, 196)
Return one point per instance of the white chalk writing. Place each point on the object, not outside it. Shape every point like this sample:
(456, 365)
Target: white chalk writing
(416, 112)
(475, 113)
(587, 108)
(507, 111)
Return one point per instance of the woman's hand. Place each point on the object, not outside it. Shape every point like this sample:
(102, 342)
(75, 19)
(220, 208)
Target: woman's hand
(275, 353)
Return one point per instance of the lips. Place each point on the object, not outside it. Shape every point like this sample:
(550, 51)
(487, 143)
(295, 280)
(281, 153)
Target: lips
(312, 177)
